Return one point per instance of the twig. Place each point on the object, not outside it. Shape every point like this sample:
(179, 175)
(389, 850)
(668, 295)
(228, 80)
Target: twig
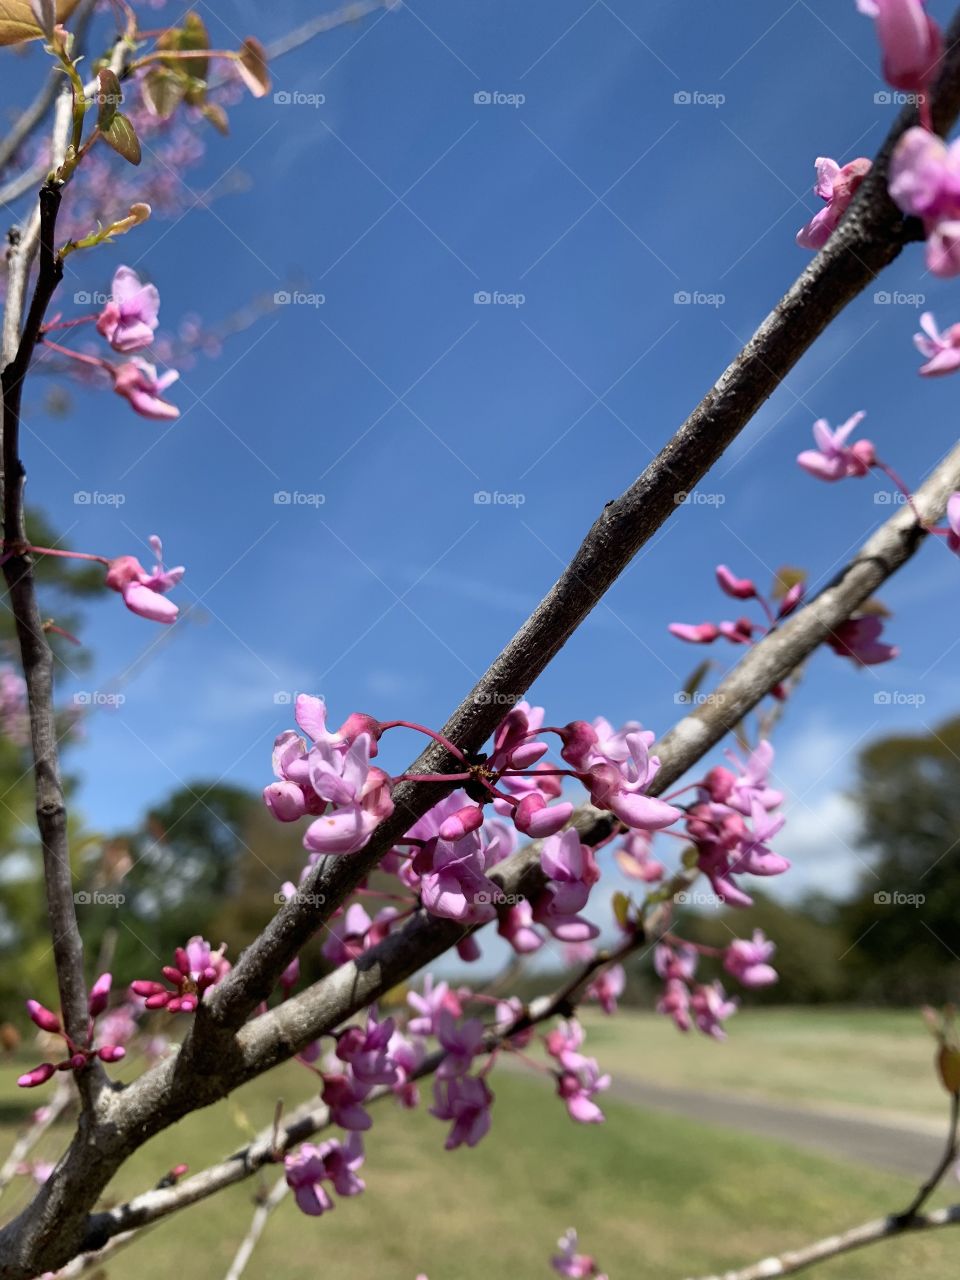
(786, 1264)
(52, 1112)
(947, 1160)
(261, 1216)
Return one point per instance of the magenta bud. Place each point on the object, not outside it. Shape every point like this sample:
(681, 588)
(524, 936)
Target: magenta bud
(39, 1075)
(527, 754)
(159, 1000)
(76, 1062)
(792, 598)
(178, 1171)
(535, 818)
(173, 975)
(187, 1004)
(43, 1017)
(694, 633)
(182, 960)
(739, 588)
(100, 994)
(285, 800)
(111, 1053)
(146, 987)
(578, 740)
(358, 723)
(461, 823)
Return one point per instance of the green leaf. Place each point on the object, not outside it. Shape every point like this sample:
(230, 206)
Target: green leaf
(109, 99)
(122, 136)
(191, 36)
(18, 22)
(621, 908)
(213, 112)
(785, 578)
(162, 89)
(696, 679)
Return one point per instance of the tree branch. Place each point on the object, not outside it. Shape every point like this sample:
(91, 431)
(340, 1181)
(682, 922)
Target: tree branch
(869, 238)
(786, 1264)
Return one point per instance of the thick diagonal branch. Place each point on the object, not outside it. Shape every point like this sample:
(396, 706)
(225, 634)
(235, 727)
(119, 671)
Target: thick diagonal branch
(870, 237)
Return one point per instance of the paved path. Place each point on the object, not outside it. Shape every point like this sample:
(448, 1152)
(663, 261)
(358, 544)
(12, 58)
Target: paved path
(905, 1148)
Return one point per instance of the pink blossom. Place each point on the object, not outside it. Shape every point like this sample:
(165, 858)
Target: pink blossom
(466, 1101)
(347, 937)
(575, 1266)
(910, 41)
(516, 925)
(145, 593)
(675, 1003)
(196, 968)
(748, 961)
(859, 639)
(578, 1087)
(833, 459)
(925, 182)
(358, 793)
(437, 997)
(837, 186)
(571, 872)
(608, 987)
(452, 880)
(366, 1051)
(634, 859)
(942, 350)
(308, 1168)
(138, 382)
(129, 319)
(711, 1008)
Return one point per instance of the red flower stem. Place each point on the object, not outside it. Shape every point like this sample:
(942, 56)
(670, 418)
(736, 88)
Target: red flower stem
(419, 728)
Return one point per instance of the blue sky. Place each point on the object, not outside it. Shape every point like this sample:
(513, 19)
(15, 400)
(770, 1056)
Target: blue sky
(630, 154)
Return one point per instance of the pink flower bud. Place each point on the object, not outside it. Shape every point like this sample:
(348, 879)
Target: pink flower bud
(43, 1018)
(111, 1053)
(699, 633)
(39, 1075)
(100, 994)
(461, 823)
(739, 588)
(285, 800)
(145, 987)
(358, 722)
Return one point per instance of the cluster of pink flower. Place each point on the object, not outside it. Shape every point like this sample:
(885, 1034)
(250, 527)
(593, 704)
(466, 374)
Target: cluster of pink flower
(924, 174)
(706, 1004)
(856, 638)
(196, 968)
(128, 322)
(78, 1055)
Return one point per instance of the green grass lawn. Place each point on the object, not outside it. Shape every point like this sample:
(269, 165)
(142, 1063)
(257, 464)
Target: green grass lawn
(654, 1197)
(869, 1060)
